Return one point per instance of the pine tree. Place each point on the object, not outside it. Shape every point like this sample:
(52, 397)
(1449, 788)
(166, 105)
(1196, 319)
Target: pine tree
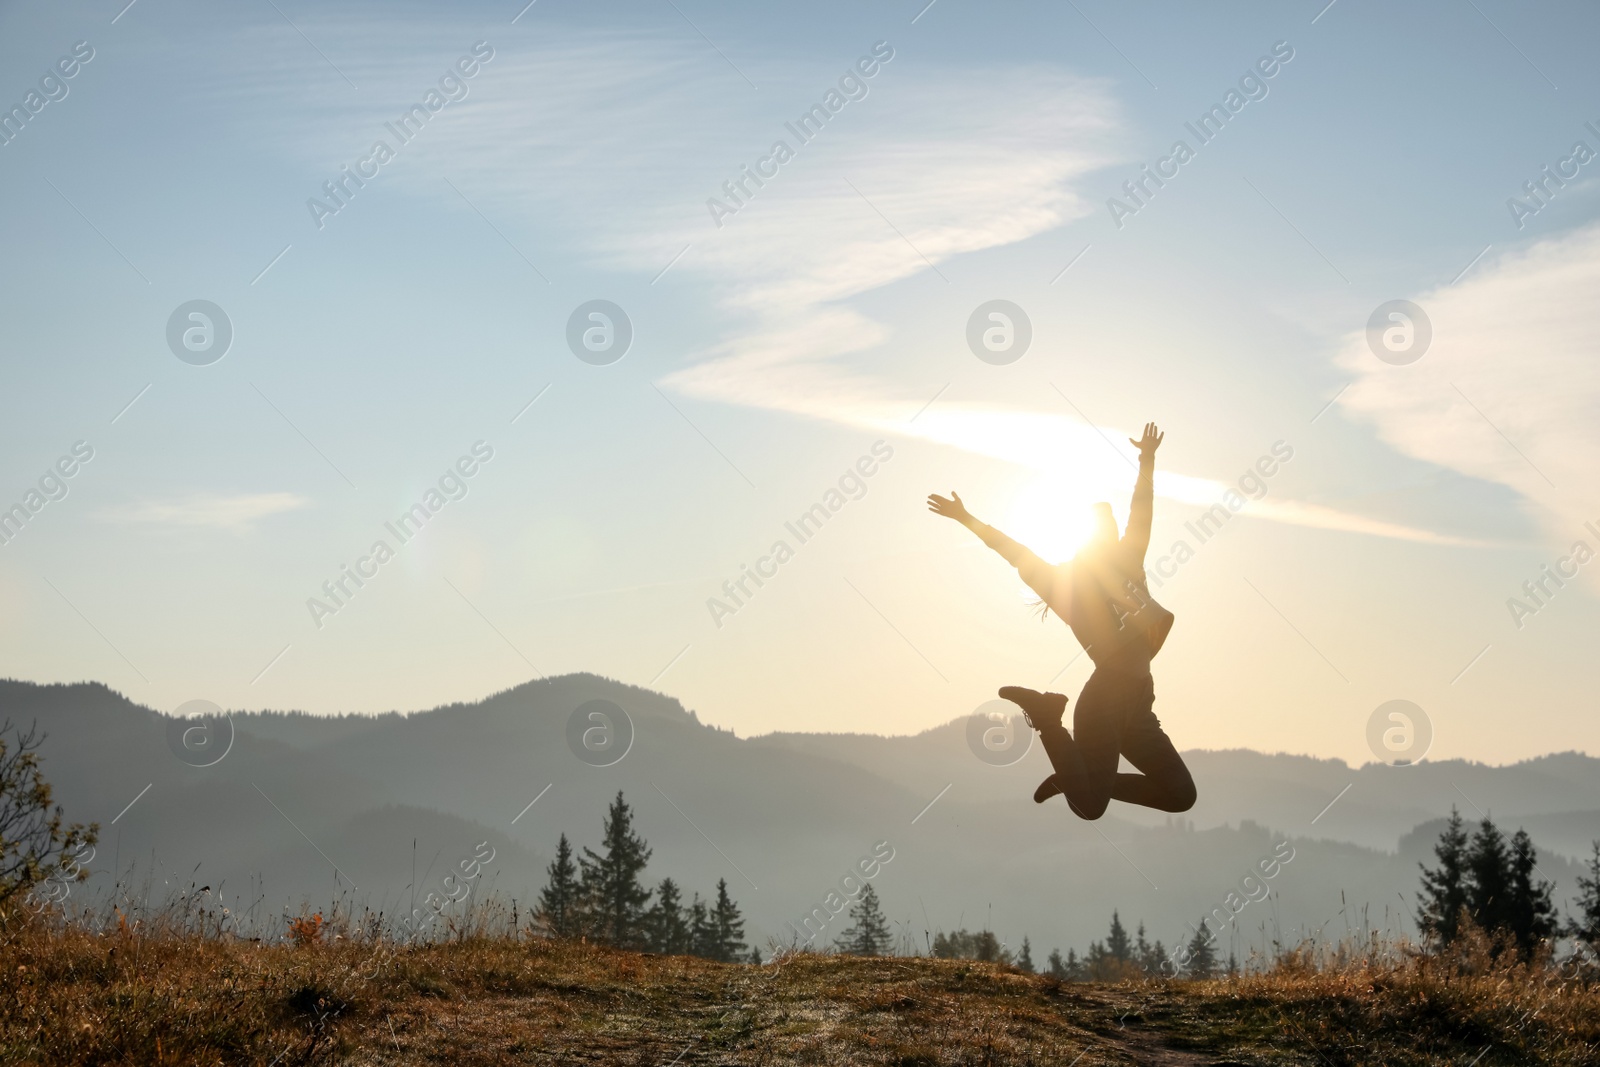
(1585, 926)
(1074, 966)
(1493, 883)
(1146, 955)
(755, 956)
(1444, 889)
(1117, 943)
(966, 945)
(868, 934)
(666, 929)
(559, 912)
(611, 880)
(1202, 959)
(1101, 964)
(1055, 966)
(1489, 878)
(1233, 964)
(1094, 960)
(727, 928)
(1533, 914)
(1025, 957)
(700, 935)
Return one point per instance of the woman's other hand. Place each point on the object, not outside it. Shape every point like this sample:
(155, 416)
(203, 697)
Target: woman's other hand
(950, 507)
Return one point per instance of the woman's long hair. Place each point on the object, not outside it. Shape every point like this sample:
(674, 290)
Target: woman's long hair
(1037, 604)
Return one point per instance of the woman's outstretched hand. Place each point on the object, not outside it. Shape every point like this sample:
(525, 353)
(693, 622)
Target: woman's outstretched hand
(950, 507)
(1151, 440)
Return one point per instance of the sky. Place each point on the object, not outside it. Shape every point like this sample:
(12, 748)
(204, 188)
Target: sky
(416, 336)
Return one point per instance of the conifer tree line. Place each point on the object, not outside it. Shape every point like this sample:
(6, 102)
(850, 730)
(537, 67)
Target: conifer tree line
(1120, 956)
(1485, 882)
(600, 896)
(964, 944)
(1482, 882)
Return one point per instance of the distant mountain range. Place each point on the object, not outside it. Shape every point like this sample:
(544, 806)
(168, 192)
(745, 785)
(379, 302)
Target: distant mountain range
(378, 808)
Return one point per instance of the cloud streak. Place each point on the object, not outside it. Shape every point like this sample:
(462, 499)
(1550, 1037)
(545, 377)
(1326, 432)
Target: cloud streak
(236, 513)
(932, 165)
(1507, 392)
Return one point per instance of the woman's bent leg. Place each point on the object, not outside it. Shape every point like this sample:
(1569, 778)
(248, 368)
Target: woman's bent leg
(1165, 783)
(1086, 764)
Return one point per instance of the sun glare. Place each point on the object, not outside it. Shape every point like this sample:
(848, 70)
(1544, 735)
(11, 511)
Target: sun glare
(1052, 517)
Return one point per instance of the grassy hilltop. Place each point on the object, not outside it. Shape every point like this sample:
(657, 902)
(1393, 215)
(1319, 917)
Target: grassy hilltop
(136, 996)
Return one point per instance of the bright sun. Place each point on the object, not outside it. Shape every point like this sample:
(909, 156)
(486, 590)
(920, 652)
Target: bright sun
(1051, 516)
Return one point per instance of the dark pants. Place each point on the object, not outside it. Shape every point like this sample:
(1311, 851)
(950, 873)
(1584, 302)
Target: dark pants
(1114, 718)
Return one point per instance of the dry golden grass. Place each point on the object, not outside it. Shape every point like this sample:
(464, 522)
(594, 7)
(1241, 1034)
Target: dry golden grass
(174, 995)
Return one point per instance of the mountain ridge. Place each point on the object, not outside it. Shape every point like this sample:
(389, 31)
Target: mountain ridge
(311, 808)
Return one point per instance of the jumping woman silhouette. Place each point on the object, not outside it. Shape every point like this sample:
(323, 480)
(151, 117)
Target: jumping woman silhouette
(1101, 593)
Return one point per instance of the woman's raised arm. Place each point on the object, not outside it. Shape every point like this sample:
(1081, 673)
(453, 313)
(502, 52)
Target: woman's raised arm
(1040, 576)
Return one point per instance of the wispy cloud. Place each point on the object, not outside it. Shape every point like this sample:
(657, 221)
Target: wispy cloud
(935, 174)
(1097, 464)
(1509, 388)
(237, 513)
(935, 164)
(934, 168)
(611, 144)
